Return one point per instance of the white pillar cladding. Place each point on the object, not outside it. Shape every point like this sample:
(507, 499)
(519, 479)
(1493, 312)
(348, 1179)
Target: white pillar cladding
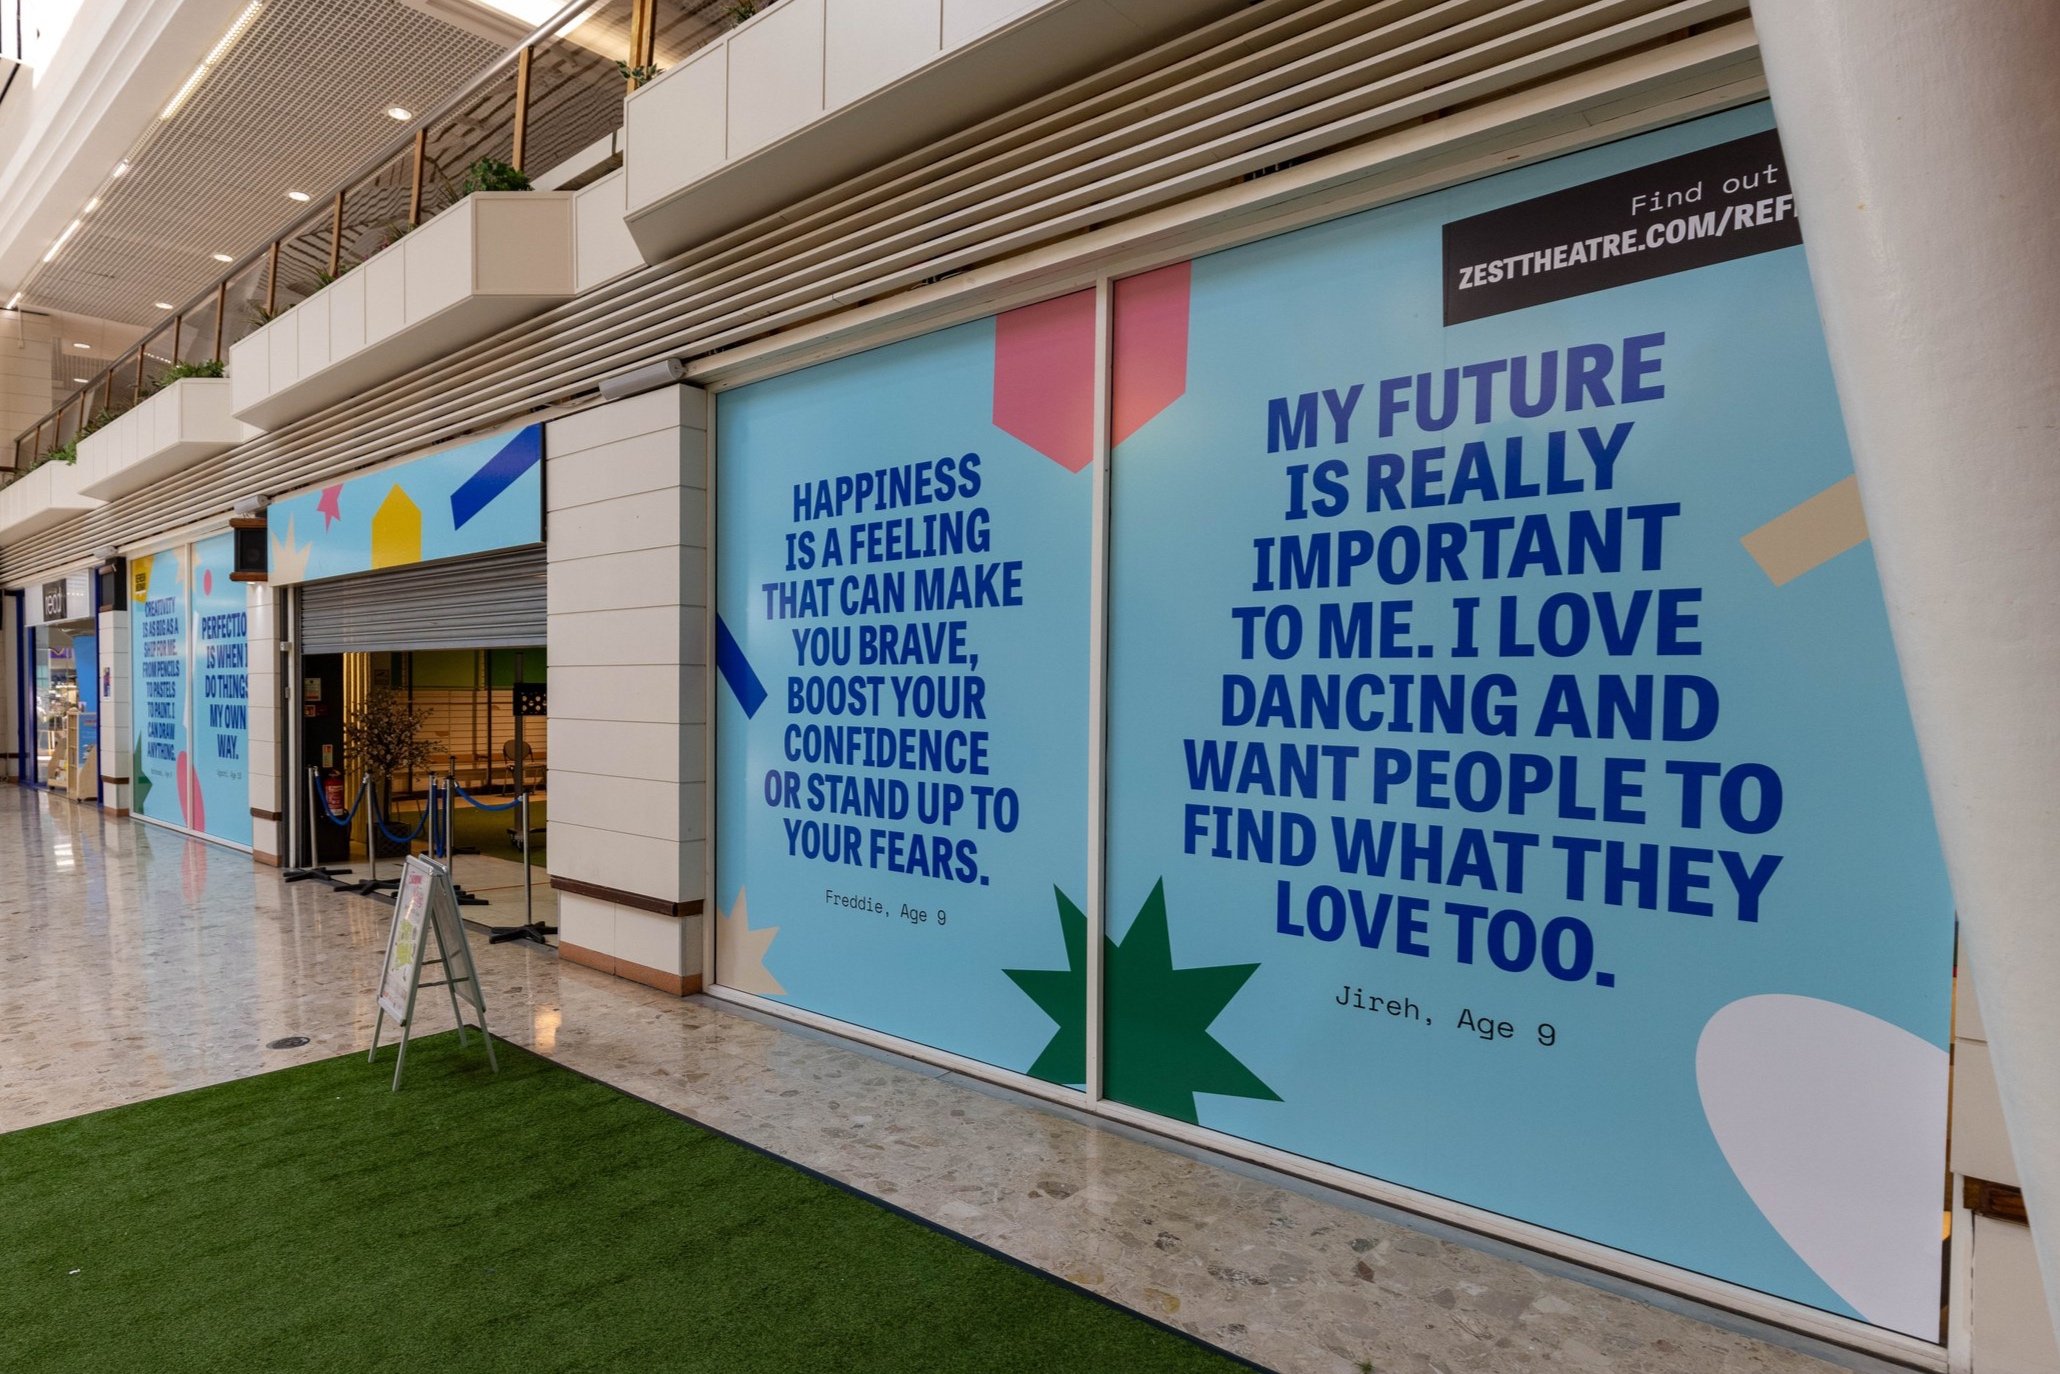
(261, 753)
(626, 496)
(1923, 137)
(117, 718)
(10, 666)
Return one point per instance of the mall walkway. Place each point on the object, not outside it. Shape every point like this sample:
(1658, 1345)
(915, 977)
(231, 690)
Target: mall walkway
(135, 963)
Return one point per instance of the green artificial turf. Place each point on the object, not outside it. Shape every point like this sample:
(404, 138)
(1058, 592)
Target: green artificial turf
(310, 1219)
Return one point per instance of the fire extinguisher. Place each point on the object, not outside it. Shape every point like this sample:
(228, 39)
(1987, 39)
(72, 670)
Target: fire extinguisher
(332, 791)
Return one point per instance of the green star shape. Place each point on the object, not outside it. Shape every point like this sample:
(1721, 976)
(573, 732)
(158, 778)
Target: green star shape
(1158, 1052)
(139, 782)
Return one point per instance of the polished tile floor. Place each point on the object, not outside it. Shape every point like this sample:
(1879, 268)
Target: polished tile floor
(134, 963)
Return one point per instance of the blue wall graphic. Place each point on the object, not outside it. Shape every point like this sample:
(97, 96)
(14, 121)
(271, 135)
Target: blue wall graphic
(472, 498)
(1547, 793)
(902, 589)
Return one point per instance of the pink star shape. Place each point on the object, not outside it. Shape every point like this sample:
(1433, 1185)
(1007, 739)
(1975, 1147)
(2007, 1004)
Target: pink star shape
(329, 507)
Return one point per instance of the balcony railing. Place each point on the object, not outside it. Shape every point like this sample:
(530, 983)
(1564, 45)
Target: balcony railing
(550, 98)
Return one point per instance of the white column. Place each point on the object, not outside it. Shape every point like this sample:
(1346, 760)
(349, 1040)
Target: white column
(10, 648)
(261, 750)
(627, 496)
(1924, 140)
(117, 718)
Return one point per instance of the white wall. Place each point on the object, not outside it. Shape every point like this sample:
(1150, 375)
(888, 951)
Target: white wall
(266, 836)
(26, 393)
(117, 738)
(626, 501)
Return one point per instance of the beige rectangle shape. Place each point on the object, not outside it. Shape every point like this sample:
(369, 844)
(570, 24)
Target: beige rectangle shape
(1810, 534)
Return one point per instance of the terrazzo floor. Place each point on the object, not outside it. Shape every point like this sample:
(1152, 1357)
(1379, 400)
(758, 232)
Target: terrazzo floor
(135, 962)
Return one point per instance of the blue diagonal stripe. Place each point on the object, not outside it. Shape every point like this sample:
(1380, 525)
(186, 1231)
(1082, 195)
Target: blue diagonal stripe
(736, 670)
(497, 474)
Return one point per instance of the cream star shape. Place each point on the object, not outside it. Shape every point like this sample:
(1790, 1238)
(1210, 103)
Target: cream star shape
(289, 560)
(740, 952)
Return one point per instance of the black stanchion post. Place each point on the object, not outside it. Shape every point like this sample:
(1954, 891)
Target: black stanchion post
(526, 704)
(313, 867)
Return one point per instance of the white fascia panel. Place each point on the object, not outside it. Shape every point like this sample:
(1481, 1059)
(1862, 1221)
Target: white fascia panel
(164, 434)
(489, 261)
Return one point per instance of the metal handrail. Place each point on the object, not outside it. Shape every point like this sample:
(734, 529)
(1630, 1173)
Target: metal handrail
(127, 371)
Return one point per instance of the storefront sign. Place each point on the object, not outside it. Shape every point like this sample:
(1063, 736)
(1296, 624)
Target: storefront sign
(57, 600)
(903, 637)
(1506, 743)
(475, 497)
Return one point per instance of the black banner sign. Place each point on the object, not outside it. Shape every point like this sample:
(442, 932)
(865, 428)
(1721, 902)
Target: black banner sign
(1705, 207)
(56, 601)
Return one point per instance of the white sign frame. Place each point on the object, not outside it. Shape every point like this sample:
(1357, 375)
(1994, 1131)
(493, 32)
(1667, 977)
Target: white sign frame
(425, 907)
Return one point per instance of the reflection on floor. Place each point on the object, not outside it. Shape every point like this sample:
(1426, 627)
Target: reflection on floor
(135, 962)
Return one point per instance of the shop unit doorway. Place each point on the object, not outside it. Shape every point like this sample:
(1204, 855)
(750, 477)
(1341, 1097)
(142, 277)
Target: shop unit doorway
(60, 654)
(464, 703)
(454, 652)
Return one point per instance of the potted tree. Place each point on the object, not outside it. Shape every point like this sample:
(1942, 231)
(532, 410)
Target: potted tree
(384, 735)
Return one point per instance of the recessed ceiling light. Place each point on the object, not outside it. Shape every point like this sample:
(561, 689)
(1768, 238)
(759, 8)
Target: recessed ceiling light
(296, 195)
(80, 345)
(81, 380)
(121, 169)
(223, 257)
(91, 206)
(400, 112)
(162, 305)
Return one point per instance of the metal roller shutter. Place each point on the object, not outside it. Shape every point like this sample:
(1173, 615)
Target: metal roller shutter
(489, 601)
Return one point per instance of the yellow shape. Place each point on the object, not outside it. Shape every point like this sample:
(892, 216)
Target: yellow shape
(740, 952)
(1811, 534)
(139, 579)
(396, 531)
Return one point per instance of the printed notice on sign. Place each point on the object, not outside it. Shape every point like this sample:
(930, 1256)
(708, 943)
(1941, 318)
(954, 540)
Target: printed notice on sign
(1709, 206)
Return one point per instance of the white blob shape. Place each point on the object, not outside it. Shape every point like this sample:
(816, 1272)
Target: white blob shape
(1835, 1123)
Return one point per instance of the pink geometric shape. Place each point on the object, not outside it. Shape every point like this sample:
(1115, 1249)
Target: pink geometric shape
(1044, 377)
(1149, 369)
(207, 581)
(330, 507)
(192, 808)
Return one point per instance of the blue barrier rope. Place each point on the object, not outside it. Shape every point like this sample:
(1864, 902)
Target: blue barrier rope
(480, 805)
(420, 825)
(322, 800)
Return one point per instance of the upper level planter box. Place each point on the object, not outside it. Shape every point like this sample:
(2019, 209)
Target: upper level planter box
(811, 92)
(492, 259)
(47, 496)
(180, 425)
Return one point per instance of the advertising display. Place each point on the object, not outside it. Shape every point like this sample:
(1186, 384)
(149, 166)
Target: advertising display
(162, 776)
(189, 654)
(1511, 790)
(902, 639)
(221, 692)
(471, 498)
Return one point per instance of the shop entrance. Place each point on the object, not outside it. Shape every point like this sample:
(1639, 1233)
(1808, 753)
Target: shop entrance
(455, 714)
(60, 656)
(64, 663)
(429, 671)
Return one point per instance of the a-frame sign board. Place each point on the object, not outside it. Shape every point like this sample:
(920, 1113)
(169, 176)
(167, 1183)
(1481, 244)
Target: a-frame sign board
(425, 910)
